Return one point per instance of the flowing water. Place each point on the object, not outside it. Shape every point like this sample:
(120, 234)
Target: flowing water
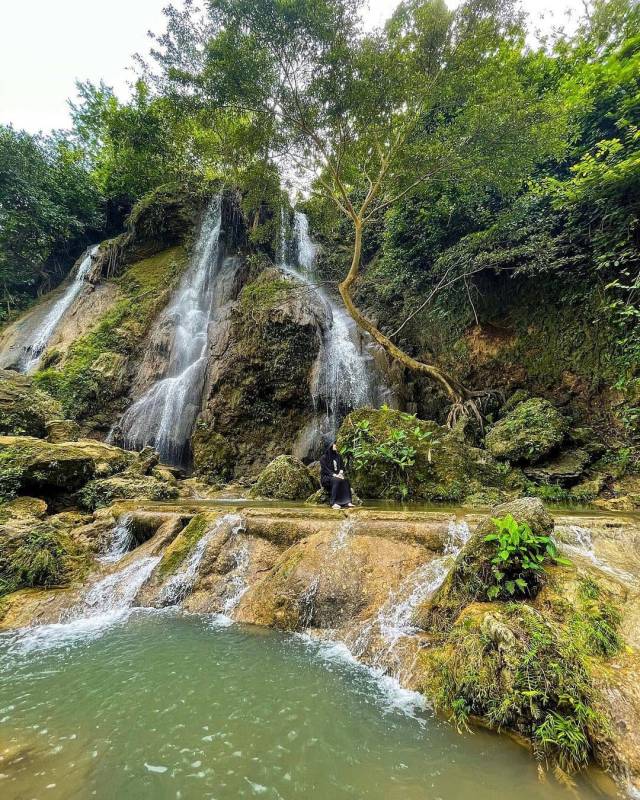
(169, 707)
(163, 417)
(345, 372)
(45, 330)
(120, 541)
(180, 584)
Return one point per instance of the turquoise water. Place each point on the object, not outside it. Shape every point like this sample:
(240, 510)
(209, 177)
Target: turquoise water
(170, 706)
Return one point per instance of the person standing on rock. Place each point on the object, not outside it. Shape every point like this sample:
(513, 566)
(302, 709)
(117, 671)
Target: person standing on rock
(333, 480)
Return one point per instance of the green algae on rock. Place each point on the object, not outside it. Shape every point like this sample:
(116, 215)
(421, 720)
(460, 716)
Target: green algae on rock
(25, 409)
(103, 491)
(528, 433)
(440, 465)
(285, 478)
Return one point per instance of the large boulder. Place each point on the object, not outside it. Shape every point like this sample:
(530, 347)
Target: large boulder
(264, 350)
(33, 466)
(528, 433)
(285, 478)
(472, 576)
(24, 409)
(103, 491)
(440, 463)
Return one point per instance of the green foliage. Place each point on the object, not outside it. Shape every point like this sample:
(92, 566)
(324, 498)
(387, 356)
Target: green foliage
(395, 454)
(520, 671)
(519, 562)
(49, 204)
(43, 557)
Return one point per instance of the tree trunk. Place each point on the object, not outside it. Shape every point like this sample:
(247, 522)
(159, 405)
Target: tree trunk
(456, 392)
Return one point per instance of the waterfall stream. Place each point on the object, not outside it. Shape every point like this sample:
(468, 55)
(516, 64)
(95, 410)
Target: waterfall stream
(345, 374)
(163, 417)
(47, 327)
(120, 541)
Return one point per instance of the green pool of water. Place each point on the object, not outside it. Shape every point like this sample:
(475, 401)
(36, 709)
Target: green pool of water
(169, 706)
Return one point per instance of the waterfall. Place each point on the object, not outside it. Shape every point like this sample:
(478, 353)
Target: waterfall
(181, 583)
(45, 330)
(345, 374)
(119, 543)
(106, 603)
(394, 620)
(164, 416)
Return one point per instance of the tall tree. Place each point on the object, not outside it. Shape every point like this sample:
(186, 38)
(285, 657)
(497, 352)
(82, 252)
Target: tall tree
(438, 96)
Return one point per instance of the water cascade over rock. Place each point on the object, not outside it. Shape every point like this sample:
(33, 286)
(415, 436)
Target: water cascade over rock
(345, 377)
(163, 417)
(45, 330)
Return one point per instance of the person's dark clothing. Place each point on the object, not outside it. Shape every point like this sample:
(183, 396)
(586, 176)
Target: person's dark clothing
(338, 489)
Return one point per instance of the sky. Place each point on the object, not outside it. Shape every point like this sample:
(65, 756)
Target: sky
(46, 45)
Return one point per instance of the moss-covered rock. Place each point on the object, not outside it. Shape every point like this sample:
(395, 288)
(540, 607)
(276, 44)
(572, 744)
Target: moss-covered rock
(521, 670)
(285, 478)
(528, 433)
(260, 396)
(213, 455)
(33, 466)
(62, 430)
(24, 409)
(472, 575)
(103, 491)
(564, 469)
(180, 548)
(439, 463)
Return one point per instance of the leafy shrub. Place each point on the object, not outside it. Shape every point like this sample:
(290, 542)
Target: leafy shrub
(396, 452)
(520, 559)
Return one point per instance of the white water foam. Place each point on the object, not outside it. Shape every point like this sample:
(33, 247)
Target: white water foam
(578, 541)
(49, 324)
(107, 603)
(120, 542)
(181, 583)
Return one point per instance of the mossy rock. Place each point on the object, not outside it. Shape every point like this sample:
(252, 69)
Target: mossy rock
(182, 546)
(213, 455)
(285, 478)
(25, 409)
(34, 466)
(445, 468)
(520, 669)
(103, 491)
(62, 430)
(528, 433)
(564, 470)
(471, 576)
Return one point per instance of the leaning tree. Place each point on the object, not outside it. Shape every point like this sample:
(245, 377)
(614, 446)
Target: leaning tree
(367, 117)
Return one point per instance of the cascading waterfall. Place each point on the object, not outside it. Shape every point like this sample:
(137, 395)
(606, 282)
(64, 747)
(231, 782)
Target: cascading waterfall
(181, 583)
(120, 541)
(345, 375)
(163, 417)
(108, 602)
(44, 332)
(393, 622)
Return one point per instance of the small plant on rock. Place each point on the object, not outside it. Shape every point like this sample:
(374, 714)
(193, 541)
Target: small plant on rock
(519, 562)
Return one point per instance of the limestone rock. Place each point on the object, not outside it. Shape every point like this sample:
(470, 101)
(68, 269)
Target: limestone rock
(445, 466)
(213, 455)
(31, 465)
(564, 469)
(24, 409)
(285, 478)
(528, 433)
(102, 491)
(62, 430)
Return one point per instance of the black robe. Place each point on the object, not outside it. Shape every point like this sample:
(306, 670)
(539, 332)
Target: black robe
(338, 489)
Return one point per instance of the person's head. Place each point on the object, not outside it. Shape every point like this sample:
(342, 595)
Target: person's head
(334, 447)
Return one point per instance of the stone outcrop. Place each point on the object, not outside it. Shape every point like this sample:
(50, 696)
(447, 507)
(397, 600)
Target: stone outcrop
(285, 478)
(25, 409)
(259, 395)
(440, 463)
(528, 433)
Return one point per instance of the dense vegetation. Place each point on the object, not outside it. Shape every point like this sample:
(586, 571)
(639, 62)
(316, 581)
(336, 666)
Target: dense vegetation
(454, 170)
